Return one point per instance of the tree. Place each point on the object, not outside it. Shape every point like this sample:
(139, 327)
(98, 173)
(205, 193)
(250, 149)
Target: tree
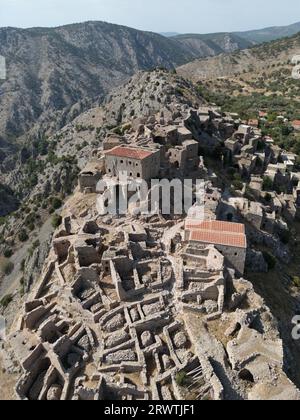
(4, 302)
(6, 267)
(7, 252)
(270, 260)
(56, 221)
(56, 203)
(267, 184)
(23, 236)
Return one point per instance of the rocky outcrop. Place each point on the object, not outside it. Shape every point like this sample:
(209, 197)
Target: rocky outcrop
(255, 262)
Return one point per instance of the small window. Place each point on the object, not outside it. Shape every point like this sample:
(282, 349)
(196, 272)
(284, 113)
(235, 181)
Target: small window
(122, 161)
(130, 163)
(138, 175)
(109, 170)
(130, 174)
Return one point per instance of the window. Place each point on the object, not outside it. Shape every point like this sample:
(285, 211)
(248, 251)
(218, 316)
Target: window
(130, 163)
(138, 175)
(122, 161)
(130, 174)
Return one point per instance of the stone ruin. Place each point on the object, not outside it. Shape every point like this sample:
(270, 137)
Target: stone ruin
(128, 309)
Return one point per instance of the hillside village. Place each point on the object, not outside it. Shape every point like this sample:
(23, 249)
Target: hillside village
(158, 306)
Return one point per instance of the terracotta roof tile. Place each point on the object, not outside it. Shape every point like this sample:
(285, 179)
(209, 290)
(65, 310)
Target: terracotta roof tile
(219, 238)
(215, 225)
(129, 152)
(217, 232)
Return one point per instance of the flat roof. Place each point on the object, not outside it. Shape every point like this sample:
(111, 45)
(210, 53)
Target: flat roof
(129, 152)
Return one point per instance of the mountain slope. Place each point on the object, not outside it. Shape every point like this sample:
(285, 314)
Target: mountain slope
(50, 70)
(270, 34)
(253, 60)
(212, 44)
(254, 80)
(206, 45)
(54, 171)
(169, 34)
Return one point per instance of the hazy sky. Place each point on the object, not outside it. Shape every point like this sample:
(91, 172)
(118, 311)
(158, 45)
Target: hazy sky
(199, 16)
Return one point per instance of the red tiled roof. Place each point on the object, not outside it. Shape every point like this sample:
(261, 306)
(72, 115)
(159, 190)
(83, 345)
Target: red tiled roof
(216, 226)
(219, 238)
(128, 152)
(217, 232)
(263, 113)
(254, 122)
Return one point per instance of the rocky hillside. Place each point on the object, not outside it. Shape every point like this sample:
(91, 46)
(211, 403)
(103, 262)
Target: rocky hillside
(257, 59)
(270, 34)
(48, 174)
(51, 70)
(254, 82)
(211, 45)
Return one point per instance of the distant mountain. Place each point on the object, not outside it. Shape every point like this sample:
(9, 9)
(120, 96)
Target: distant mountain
(54, 74)
(51, 70)
(169, 34)
(273, 55)
(205, 45)
(270, 34)
(210, 45)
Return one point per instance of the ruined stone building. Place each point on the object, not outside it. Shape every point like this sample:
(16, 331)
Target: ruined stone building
(136, 162)
(228, 238)
(90, 175)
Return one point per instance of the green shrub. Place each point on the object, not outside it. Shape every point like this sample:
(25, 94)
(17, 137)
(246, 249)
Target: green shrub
(238, 185)
(267, 184)
(231, 172)
(56, 203)
(4, 302)
(7, 253)
(296, 281)
(270, 260)
(268, 197)
(22, 265)
(36, 244)
(6, 267)
(31, 227)
(285, 236)
(182, 379)
(56, 221)
(23, 236)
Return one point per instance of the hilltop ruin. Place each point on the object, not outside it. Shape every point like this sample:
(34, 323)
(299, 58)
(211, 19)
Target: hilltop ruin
(156, 307)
